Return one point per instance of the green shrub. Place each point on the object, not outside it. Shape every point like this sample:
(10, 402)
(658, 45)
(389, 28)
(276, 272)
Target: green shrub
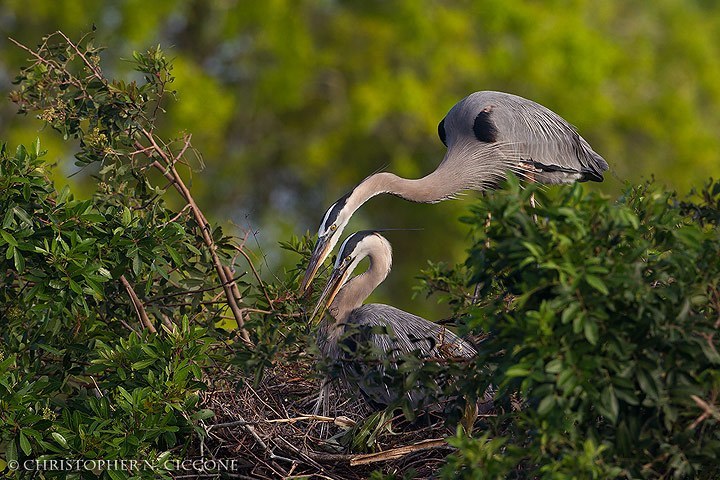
(110, 316)
(603, 316)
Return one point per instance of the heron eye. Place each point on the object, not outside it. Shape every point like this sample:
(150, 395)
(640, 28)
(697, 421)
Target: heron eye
(347, 259)
(333, 227)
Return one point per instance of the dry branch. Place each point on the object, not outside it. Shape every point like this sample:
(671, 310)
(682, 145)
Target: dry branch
(139, 309)
(396, 453)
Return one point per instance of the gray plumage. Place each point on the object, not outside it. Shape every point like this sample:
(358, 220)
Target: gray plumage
(487, 135)
(388, 331)
(521, 135)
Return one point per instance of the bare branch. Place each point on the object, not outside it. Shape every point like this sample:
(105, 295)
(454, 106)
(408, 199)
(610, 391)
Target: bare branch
(396, 453)
(139, 309)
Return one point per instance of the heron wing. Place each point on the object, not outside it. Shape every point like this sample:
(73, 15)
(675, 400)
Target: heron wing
(392, 333)
(408, 333)
(552, 146)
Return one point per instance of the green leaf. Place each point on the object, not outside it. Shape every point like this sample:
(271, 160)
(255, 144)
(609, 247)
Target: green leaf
(136, 264)
(125, 394)
(25, 444)
(590, 330)
(9, 239)
(59, 439)
(554, 366)
(116, 474)
(19, 261)
(20, 152)
(597, 284)
(569, 313)
(126, 217)
(517, 371)
(22, 215)
(75, 287)
(142, 364)
(203, 414)
(546, 405)
(647, 384)
(11, 451)
(609, 403)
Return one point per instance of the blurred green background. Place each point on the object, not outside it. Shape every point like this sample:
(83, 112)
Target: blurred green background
(291, 103)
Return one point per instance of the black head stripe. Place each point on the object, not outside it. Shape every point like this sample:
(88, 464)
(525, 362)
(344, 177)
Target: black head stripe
(484, 128)
(441, 132)
(335, 210)
(353, 240)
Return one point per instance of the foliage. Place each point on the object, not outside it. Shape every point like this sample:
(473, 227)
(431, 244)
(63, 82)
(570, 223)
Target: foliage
(112, 308)
(77, 380)
(603, 317)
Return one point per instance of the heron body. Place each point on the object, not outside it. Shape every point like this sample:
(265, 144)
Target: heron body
(487, 135)
(389, 331)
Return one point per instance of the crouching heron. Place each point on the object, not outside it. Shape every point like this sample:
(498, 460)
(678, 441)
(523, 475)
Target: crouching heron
(487, 135)
(389, 331)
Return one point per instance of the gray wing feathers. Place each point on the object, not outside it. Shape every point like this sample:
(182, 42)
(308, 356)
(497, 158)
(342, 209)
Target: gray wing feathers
(550, 142)
(410, 333)
(407, 333)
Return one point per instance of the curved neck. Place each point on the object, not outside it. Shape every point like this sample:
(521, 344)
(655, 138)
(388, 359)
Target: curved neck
(358, 289)
(434, 187)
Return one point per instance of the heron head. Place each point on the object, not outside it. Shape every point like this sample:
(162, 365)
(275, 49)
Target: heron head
(470, 118)
(334, 221)
(353, 250)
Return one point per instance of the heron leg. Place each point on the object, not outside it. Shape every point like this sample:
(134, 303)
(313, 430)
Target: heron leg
(322, 406)
(531, 177)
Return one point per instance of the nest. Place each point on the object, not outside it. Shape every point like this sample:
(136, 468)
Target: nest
(271, 432)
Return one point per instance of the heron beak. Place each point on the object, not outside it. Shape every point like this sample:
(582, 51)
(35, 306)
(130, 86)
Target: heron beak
(336, 281)
(319, 254)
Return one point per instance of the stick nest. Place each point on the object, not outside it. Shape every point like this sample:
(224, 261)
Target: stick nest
(271, 432)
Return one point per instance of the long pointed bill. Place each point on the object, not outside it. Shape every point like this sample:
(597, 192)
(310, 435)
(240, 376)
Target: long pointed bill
(319, 254)
(336, 281)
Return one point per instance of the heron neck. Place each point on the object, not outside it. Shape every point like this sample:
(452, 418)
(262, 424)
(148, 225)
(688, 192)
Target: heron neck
(354, 293)
(439, 185)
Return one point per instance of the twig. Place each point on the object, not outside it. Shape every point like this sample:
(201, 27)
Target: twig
(91, 66)
(339, 421)
(251, 430)
(282, 443)
(139, 309)
(257, 276)
(126, 325)
(190, 292)
(166, 321)
(396, 453)
(708, 411)
(186, 145)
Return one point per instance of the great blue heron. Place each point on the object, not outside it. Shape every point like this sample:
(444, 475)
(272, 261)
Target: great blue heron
(487, 134)
(387, 330)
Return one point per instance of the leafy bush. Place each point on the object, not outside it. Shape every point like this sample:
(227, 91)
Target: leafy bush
(604, 318)
(112, 308)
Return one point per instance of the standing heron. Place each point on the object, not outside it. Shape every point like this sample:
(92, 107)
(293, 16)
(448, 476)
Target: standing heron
(487, 134)
(387, 330)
